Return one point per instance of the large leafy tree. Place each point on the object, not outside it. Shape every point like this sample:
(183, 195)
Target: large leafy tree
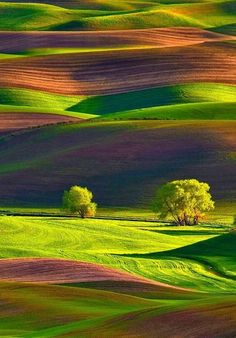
(78, 200)
(186, 201)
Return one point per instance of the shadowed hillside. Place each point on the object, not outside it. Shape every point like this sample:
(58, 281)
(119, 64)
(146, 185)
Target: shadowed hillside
(122, 162)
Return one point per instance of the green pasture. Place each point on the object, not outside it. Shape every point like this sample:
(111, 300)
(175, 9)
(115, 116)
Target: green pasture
(200, 258)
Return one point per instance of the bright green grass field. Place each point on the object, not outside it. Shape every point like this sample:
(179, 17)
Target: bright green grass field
(162, 253)
(187, 101)
(201, 258)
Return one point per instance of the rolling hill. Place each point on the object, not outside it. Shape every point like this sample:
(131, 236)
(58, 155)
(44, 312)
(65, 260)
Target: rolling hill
(80, 74)
(143, 102)
(121, 162)
(119, 286)
(108, 16)
(56, 310)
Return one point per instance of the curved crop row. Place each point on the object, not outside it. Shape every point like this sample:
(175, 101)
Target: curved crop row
(115, 72)
(160, 37)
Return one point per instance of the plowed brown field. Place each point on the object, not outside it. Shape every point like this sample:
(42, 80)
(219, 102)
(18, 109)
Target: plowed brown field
(207, 321)
(158, 37)
(59, 271)
(117, 71)
(17, 121)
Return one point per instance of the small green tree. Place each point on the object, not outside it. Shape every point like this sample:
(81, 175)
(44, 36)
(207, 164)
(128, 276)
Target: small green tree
(78, 200)
(185, 200)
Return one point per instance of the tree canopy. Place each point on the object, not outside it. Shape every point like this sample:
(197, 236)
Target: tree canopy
(186, 201)
(78, 200)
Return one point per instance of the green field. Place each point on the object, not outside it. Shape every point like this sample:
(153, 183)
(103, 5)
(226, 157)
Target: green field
(130, 247)
(200, 258)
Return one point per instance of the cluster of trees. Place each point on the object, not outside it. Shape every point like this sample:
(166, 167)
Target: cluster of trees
(186, 201)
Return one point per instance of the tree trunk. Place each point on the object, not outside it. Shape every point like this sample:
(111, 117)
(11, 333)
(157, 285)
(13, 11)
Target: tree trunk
(82, 214)
(181, 221)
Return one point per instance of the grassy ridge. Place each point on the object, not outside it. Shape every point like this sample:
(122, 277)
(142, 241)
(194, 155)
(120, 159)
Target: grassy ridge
(34, 98)
(211, 252)
(190, 111)
(155, 97)
(160, 103)
(48, 17)
(15, 100)
(28, 16)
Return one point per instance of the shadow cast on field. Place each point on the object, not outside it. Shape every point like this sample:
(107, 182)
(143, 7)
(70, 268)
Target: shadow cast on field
(183, 232)
(221, 245)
